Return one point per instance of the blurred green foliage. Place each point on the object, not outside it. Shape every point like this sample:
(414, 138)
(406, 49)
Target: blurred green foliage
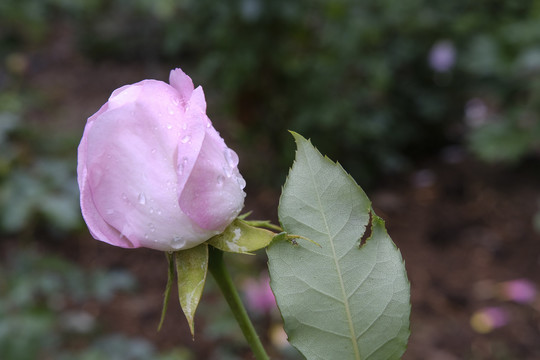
(361, 78)
(42, 314)
(37, 171)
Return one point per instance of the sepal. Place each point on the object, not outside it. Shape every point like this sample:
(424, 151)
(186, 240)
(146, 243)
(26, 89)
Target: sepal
(191, 270)
(241, 237)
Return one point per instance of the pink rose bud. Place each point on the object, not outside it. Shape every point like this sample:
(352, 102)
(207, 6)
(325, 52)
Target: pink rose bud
(152, 170)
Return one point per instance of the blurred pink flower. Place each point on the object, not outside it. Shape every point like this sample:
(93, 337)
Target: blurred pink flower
(521, 291)
(442, 56)
(259, 295)
(487, 319)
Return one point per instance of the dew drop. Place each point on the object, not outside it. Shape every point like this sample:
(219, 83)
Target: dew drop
(110, 211)
(153, 151)
(169, 126)
(184, 126)
(151, 210)
(124, 197)
(241, 182)
(142, 199)
(185, 139)
(177, 242)
(146, 236)
(220, 180)
(176, 101)
(159, 212)
(228, 171)
(231, 158)
(182, 165)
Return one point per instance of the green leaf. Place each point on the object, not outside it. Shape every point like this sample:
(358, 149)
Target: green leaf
(342, 300)
(191, 269)
(241, 237)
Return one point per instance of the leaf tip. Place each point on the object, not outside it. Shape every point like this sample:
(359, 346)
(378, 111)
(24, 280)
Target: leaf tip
(192, 329)
(299, 139)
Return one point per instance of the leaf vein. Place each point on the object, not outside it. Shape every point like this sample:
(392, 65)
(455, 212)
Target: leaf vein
(336, 263)
(311, 287)
(374, 321)
(324, 330)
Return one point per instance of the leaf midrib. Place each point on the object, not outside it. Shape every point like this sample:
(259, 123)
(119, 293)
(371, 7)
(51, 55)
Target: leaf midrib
(338, 269)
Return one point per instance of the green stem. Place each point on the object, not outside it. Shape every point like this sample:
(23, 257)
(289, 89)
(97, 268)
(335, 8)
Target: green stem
(217, 268)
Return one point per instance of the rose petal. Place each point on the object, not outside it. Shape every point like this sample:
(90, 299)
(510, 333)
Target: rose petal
(97, 226)
(212, 197)
(197, 100)
(182, 83)
(190, 142)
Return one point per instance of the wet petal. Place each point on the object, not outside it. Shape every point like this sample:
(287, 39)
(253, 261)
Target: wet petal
(213, 195)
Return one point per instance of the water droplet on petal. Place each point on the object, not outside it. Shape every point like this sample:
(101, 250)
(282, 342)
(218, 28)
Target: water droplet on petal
(182, 165)
(228, 171)
(176, 101)
(220, 180)
(241, 182)
(110, 211)
(151, 210)
(124, 197)
(153, 151)
(159, 212)
(231, 158)
(184, 126)
(142, 199)
(185, 139)
(177, 242)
